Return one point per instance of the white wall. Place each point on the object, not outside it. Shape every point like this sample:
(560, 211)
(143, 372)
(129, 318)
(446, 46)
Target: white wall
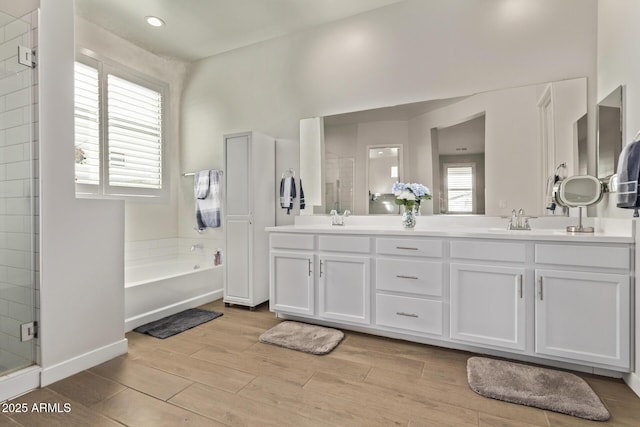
(156, 219)
(619, 64)
(409, 51)
(82, 241)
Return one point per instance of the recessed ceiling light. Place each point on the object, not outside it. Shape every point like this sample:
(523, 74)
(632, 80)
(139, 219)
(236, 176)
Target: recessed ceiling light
(154, 21)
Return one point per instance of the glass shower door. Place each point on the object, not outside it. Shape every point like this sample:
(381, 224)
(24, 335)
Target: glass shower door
(17, 218)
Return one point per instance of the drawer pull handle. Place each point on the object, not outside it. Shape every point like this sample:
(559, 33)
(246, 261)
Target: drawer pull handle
(401, 313)
(406, 248)
(399, 276)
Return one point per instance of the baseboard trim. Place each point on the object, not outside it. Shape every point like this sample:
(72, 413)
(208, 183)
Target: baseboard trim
(82, 362)
(150, 316)
(633, 381)
(19, 383)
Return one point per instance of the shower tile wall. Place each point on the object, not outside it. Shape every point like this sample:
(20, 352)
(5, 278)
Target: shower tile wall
(18, 180)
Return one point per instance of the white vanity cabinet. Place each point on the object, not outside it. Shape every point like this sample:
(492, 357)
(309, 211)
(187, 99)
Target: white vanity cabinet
(557, 299)
(583, 315)
(344, 278)
(292, 270)
(488, 305)
(409, 285)
(487, 295)
(324, 277)
(292, 282)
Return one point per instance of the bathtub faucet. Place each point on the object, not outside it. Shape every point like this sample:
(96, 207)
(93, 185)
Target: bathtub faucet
(196, 246)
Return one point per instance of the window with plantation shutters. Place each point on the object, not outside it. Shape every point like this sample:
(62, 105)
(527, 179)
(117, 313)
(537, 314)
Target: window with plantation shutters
(87, 124)
(118, 132)
(459, 186)
(134, 133)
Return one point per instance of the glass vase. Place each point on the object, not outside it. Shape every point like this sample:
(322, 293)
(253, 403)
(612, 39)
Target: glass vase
(408, 218)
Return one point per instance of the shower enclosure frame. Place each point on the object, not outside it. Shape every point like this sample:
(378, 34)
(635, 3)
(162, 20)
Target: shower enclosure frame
(19, 308)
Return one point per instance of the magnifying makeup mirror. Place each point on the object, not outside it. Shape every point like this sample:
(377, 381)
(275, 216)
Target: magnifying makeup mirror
(579, 191)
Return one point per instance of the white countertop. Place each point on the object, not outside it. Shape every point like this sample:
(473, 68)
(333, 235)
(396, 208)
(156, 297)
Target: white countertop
(486, 229)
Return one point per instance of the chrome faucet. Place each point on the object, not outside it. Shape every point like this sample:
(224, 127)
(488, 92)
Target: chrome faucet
(337, 219)
(518, 221)
(196, 246)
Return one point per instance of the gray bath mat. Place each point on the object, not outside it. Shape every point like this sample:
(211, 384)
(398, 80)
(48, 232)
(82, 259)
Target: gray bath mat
(532, 386)
(176, 323)
(302, 337)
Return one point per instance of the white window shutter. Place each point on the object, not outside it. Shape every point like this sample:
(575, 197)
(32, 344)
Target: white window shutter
(87, 128)
(460, 189)
(134, 129)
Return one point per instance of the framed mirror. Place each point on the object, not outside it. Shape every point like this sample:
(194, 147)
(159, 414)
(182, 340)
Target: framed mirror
(610, 137)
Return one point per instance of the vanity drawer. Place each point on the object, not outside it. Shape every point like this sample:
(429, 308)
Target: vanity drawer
(583, 256)
(292, 241)
(344, 244)
(413, 314)
(411, 276)
(488, 251)
(411, 247)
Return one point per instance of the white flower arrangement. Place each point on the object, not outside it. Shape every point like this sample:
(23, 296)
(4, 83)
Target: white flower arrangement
(410, 195)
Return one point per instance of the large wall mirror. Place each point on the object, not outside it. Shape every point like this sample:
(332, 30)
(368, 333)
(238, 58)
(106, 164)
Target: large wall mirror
(486, 153)
(609, 133)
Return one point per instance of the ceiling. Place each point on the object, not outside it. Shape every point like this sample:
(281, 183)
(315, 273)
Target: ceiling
(196, 29)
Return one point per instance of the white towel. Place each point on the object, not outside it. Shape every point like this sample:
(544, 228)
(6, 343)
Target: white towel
(201, 185)
(207, 208)
(287, 193)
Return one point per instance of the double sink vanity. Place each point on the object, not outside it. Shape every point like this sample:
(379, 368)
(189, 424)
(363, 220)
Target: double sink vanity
(542, 295)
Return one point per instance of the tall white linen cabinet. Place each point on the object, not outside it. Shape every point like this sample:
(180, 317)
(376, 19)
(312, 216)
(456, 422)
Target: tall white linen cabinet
(249, 207)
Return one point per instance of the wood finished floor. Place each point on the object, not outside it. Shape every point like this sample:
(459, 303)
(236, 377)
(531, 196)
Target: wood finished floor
(219, 374)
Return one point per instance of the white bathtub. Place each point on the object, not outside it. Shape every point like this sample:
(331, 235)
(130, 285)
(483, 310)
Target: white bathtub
(166, 286)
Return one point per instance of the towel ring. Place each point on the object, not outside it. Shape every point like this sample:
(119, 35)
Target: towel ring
(289, 172)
